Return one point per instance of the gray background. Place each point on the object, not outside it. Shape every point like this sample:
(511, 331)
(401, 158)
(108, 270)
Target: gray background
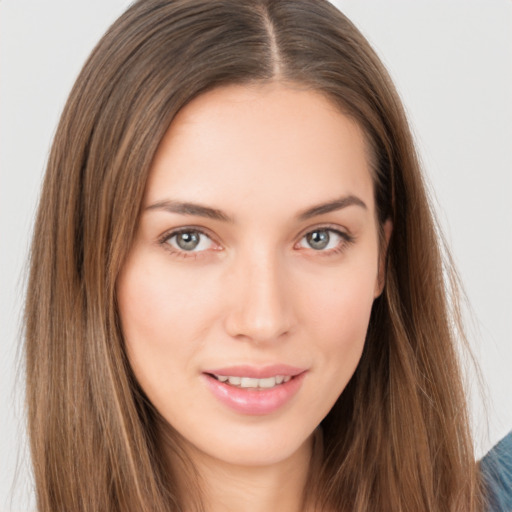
(452, 63)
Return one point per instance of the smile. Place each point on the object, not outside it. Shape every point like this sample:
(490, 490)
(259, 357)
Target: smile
(255, 391)
(253, 383)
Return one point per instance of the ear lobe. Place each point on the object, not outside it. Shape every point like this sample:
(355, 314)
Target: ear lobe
(387, 229)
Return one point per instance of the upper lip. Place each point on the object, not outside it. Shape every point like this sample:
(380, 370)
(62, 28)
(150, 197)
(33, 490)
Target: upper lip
(257, 372)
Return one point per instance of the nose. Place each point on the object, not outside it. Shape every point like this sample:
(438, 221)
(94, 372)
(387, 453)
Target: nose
(260, 307)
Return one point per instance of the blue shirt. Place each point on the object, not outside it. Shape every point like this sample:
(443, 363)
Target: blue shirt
(496, 468)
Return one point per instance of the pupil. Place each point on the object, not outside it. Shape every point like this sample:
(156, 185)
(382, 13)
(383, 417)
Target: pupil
(188, 240)
(318, 239)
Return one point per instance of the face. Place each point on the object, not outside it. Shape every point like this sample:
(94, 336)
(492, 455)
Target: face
(246, 296)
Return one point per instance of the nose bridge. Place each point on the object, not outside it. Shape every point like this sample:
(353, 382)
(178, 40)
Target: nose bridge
(260, 308)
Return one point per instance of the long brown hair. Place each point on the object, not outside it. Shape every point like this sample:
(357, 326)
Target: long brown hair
(398, 436)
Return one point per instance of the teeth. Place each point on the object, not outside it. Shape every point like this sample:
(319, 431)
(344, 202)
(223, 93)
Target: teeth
(270, 382)
(249, 382)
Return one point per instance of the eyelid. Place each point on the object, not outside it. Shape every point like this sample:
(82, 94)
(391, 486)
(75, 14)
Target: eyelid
(167, 235)
(346, 236)
(163, 239)
(343, 232)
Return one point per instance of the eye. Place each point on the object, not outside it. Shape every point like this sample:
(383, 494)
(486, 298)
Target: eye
(323, 239)
(189, 240)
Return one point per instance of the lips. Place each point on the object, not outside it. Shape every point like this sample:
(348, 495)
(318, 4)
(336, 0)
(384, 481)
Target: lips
(253, 383)
(257, 372)
(255, 390)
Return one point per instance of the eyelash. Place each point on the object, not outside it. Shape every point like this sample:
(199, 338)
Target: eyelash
(346, 240)
(164, 241)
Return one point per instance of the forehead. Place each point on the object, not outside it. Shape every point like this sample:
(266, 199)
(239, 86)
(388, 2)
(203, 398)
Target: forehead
(261, 144)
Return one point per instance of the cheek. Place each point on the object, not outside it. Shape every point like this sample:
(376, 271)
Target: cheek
(161, 324)
(339, 314)
(156, 303)
(335, 316)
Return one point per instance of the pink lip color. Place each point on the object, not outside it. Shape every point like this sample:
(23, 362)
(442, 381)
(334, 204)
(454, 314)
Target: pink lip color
(258, 372)
(255, 401)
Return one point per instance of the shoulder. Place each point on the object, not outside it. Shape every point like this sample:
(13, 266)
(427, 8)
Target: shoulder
(496, 470)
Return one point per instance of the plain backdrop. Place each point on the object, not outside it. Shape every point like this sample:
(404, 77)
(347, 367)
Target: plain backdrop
(452, 63)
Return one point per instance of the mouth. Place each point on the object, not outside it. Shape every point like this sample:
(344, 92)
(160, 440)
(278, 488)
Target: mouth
(251, 382)
(255, 391)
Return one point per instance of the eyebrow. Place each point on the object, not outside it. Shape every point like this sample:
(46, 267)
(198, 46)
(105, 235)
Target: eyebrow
(186, 208)
(331, 206)
(199, 210)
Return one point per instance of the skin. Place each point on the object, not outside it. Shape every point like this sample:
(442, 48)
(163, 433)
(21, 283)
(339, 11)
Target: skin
(254, 291)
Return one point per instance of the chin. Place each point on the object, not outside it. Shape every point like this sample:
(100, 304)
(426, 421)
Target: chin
(249, 446)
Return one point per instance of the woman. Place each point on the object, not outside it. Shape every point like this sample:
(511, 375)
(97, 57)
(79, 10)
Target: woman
(236, 295)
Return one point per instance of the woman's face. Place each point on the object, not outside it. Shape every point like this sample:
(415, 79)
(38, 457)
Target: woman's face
(246, 296)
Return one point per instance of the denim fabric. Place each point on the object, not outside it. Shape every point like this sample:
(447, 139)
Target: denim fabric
(496, 468)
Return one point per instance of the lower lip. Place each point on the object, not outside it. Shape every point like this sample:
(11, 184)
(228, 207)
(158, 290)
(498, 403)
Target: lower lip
(255, 401)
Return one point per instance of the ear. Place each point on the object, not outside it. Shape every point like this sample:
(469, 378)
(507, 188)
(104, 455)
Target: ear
(386, 230)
